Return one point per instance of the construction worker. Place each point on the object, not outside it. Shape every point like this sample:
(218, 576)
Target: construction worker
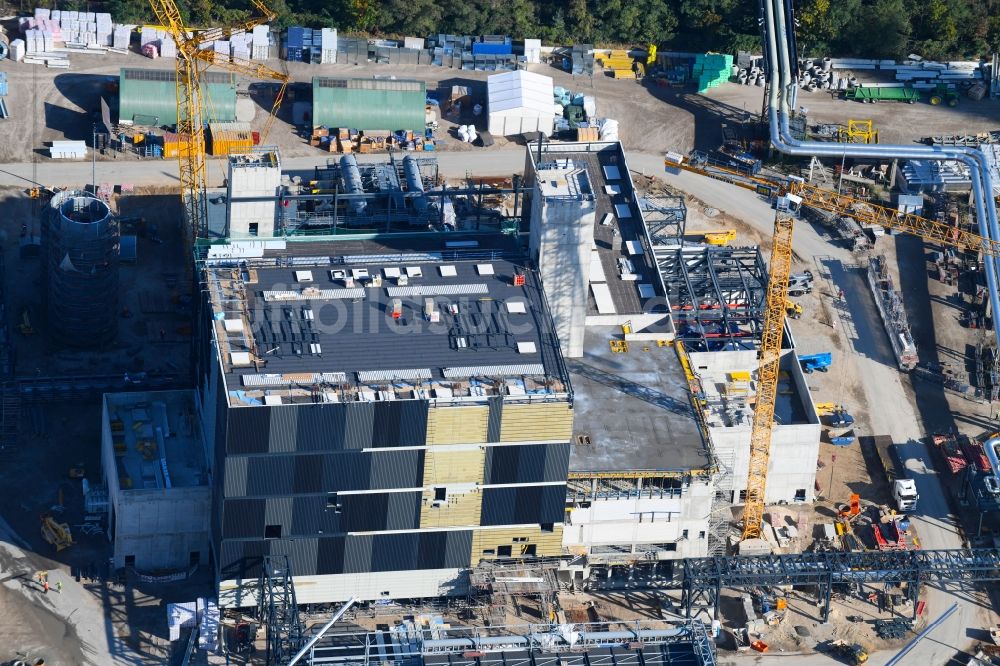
(840, 294)
(45, 587)
(59, 586)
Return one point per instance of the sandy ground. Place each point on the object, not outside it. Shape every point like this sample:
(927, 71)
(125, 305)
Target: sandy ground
(47, 105)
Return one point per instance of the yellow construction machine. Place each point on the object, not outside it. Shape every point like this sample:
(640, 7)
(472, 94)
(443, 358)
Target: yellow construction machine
(57, 534)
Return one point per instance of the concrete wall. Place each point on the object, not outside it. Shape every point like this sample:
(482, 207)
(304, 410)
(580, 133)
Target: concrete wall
(636, 523)
(253, 181)
(792, 463)
(162, 528)
(562, 234)
(365, 586)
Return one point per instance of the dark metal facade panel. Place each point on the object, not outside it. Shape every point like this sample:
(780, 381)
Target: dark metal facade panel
(309, 516)
(358, 425)
(431, 549)
(283, 433)
(302, 554)
(278, 511)
(394, 552)
(385, 429)
(330, 556)
(270, 475)
(413, 423)
(530, 463)
(403, 512)
(494, 419)
(458, 549)
(396, 469)
(373, 512)
(556, 462)
(357, 554)
(243, 518)
(235, 476)
(321, 427)
(249, 428)
(523, 505)
(346, 471)
(308, 474)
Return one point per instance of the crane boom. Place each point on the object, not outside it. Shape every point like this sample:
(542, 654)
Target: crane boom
(192, 59)
(769, 355)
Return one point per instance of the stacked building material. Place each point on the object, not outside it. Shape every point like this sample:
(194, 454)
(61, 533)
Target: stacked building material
(121, 37)
(240, 45)
(261, 41)
(975, 454)
(163, 41)
(712, 70)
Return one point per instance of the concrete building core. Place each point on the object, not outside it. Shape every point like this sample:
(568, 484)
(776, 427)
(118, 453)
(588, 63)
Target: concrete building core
(254, 174)
(154, 461)
(562, 233)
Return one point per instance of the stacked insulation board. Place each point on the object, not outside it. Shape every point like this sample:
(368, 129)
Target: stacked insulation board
(711, 70)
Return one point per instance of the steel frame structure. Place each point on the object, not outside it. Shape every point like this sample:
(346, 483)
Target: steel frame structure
(278, 610)
(717, 294)
(705, 578)
(520, 645)
(665, 216)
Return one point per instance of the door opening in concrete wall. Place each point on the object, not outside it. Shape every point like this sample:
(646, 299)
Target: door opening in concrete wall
(130, 560)
(800, 495)
(272, 531)
(194, 558)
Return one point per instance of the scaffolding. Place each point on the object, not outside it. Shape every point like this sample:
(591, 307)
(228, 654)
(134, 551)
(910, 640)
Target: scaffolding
(80, 241)
(278, 611)
(716, 295)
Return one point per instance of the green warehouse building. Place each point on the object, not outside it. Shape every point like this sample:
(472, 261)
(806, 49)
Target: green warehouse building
(369, 104)
(148, 96)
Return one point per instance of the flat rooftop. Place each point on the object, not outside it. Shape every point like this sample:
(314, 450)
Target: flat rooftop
(632, 409)
(157, 441)
(729, 389)
(619, 231)
(341, 321)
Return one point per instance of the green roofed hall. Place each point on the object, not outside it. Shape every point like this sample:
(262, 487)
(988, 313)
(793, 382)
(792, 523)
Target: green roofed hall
(149, 97)
(369, 104)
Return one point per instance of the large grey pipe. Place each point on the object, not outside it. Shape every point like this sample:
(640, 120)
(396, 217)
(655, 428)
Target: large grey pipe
(783, 89)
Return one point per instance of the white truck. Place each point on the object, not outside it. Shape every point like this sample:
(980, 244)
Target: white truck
(904, 490)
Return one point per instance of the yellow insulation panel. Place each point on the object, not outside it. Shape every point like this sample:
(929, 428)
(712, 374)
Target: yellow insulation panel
(526, 423)
(519, 539)
(460, 509)
(457, 425)
(442, 467)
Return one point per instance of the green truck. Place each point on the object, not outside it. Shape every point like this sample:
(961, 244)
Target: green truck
(872, 95)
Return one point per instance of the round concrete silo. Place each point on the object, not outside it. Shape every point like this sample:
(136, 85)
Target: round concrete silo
(81, 245)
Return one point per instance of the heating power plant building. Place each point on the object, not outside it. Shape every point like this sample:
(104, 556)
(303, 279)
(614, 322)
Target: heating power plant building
(386, 418)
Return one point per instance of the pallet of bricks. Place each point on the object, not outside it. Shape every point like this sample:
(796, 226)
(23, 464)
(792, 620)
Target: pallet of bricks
(711, 70)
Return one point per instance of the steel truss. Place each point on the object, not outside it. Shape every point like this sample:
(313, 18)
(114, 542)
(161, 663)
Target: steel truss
(666, 217)
(278, 611)
(705, 578)
(717, 295)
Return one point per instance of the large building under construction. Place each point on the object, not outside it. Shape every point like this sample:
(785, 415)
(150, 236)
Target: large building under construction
(389, 413)
(384, 416)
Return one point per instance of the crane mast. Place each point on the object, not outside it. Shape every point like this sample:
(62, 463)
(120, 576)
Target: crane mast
(192, 60)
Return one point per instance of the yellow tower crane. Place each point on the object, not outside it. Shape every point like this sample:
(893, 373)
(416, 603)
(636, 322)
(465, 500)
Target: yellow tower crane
(192, 60)
(774, 320)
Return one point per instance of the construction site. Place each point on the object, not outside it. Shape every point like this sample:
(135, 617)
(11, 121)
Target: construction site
(707, 378)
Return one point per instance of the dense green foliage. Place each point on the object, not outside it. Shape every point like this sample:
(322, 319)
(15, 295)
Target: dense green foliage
(868, 28)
